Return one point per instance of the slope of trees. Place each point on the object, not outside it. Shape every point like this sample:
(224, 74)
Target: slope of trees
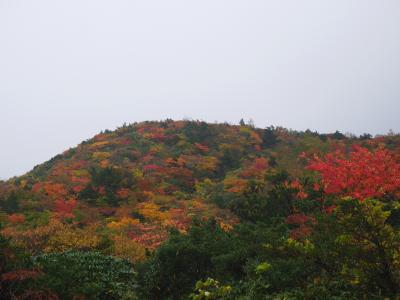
(191, 210)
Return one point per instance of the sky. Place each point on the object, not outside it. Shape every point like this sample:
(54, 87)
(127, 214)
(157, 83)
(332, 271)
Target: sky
(69, 69)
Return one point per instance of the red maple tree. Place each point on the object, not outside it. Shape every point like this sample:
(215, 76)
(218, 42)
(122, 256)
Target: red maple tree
(361, 174)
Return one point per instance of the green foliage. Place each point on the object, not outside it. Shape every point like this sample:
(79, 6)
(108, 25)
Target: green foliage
(210, 289)
(206, 250)
(360, 253)
(9, 203)
(269, 137)
(184, 259)
(89, 274)
(264, 202)
(197, 132)
(108, 180)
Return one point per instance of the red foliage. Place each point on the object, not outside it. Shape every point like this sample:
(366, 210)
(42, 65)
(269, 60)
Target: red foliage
(316, 187)
(83, 180)
(101, 190)
(16, 218)
(298, 219)
(302, 195)
(302, 222)
(64, 209)
(19, 275)
(78, 188)
(147, 158)
(361, 174)
(260, 163)
(180, 219)
(107, 211)
(202, 148)
(150, 236)
(301, 232)
(36, 187)
(126, 141)
(123, 193)
(151, 167)
(329, 209)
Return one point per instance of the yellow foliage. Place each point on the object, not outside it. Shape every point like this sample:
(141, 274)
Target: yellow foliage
(55, 236)
(23, 183)
(137, 173)
(225, 226)
(99, 144)
(204, 188)
(151, 211)
(125, 247)
(208, 163)
(124, 223)
(68, 238)
(101, 155)
(80, 173)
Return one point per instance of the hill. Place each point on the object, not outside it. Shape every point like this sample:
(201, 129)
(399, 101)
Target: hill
(124, 192)
(156, 175)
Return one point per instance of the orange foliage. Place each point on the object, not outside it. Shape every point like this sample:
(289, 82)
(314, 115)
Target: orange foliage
(37, 187)
(256, 169)
(55, 190)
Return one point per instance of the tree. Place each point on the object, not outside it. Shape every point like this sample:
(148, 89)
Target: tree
(269, 137)
(178, 264)
(85, 274)
(210, 289)
(361, 174)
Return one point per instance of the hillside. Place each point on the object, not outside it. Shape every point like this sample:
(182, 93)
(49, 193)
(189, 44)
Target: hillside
(123, 192)
(155, 175)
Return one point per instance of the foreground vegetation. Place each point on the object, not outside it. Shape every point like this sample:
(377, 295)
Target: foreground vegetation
(190, 210)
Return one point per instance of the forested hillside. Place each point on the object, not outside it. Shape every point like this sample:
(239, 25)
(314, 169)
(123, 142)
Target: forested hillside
(192, 210)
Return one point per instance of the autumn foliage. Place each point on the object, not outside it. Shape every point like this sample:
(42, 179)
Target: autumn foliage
(64, 209)
(360, 174)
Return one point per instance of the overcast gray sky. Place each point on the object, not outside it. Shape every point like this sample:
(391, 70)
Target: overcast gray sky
(69, 69)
